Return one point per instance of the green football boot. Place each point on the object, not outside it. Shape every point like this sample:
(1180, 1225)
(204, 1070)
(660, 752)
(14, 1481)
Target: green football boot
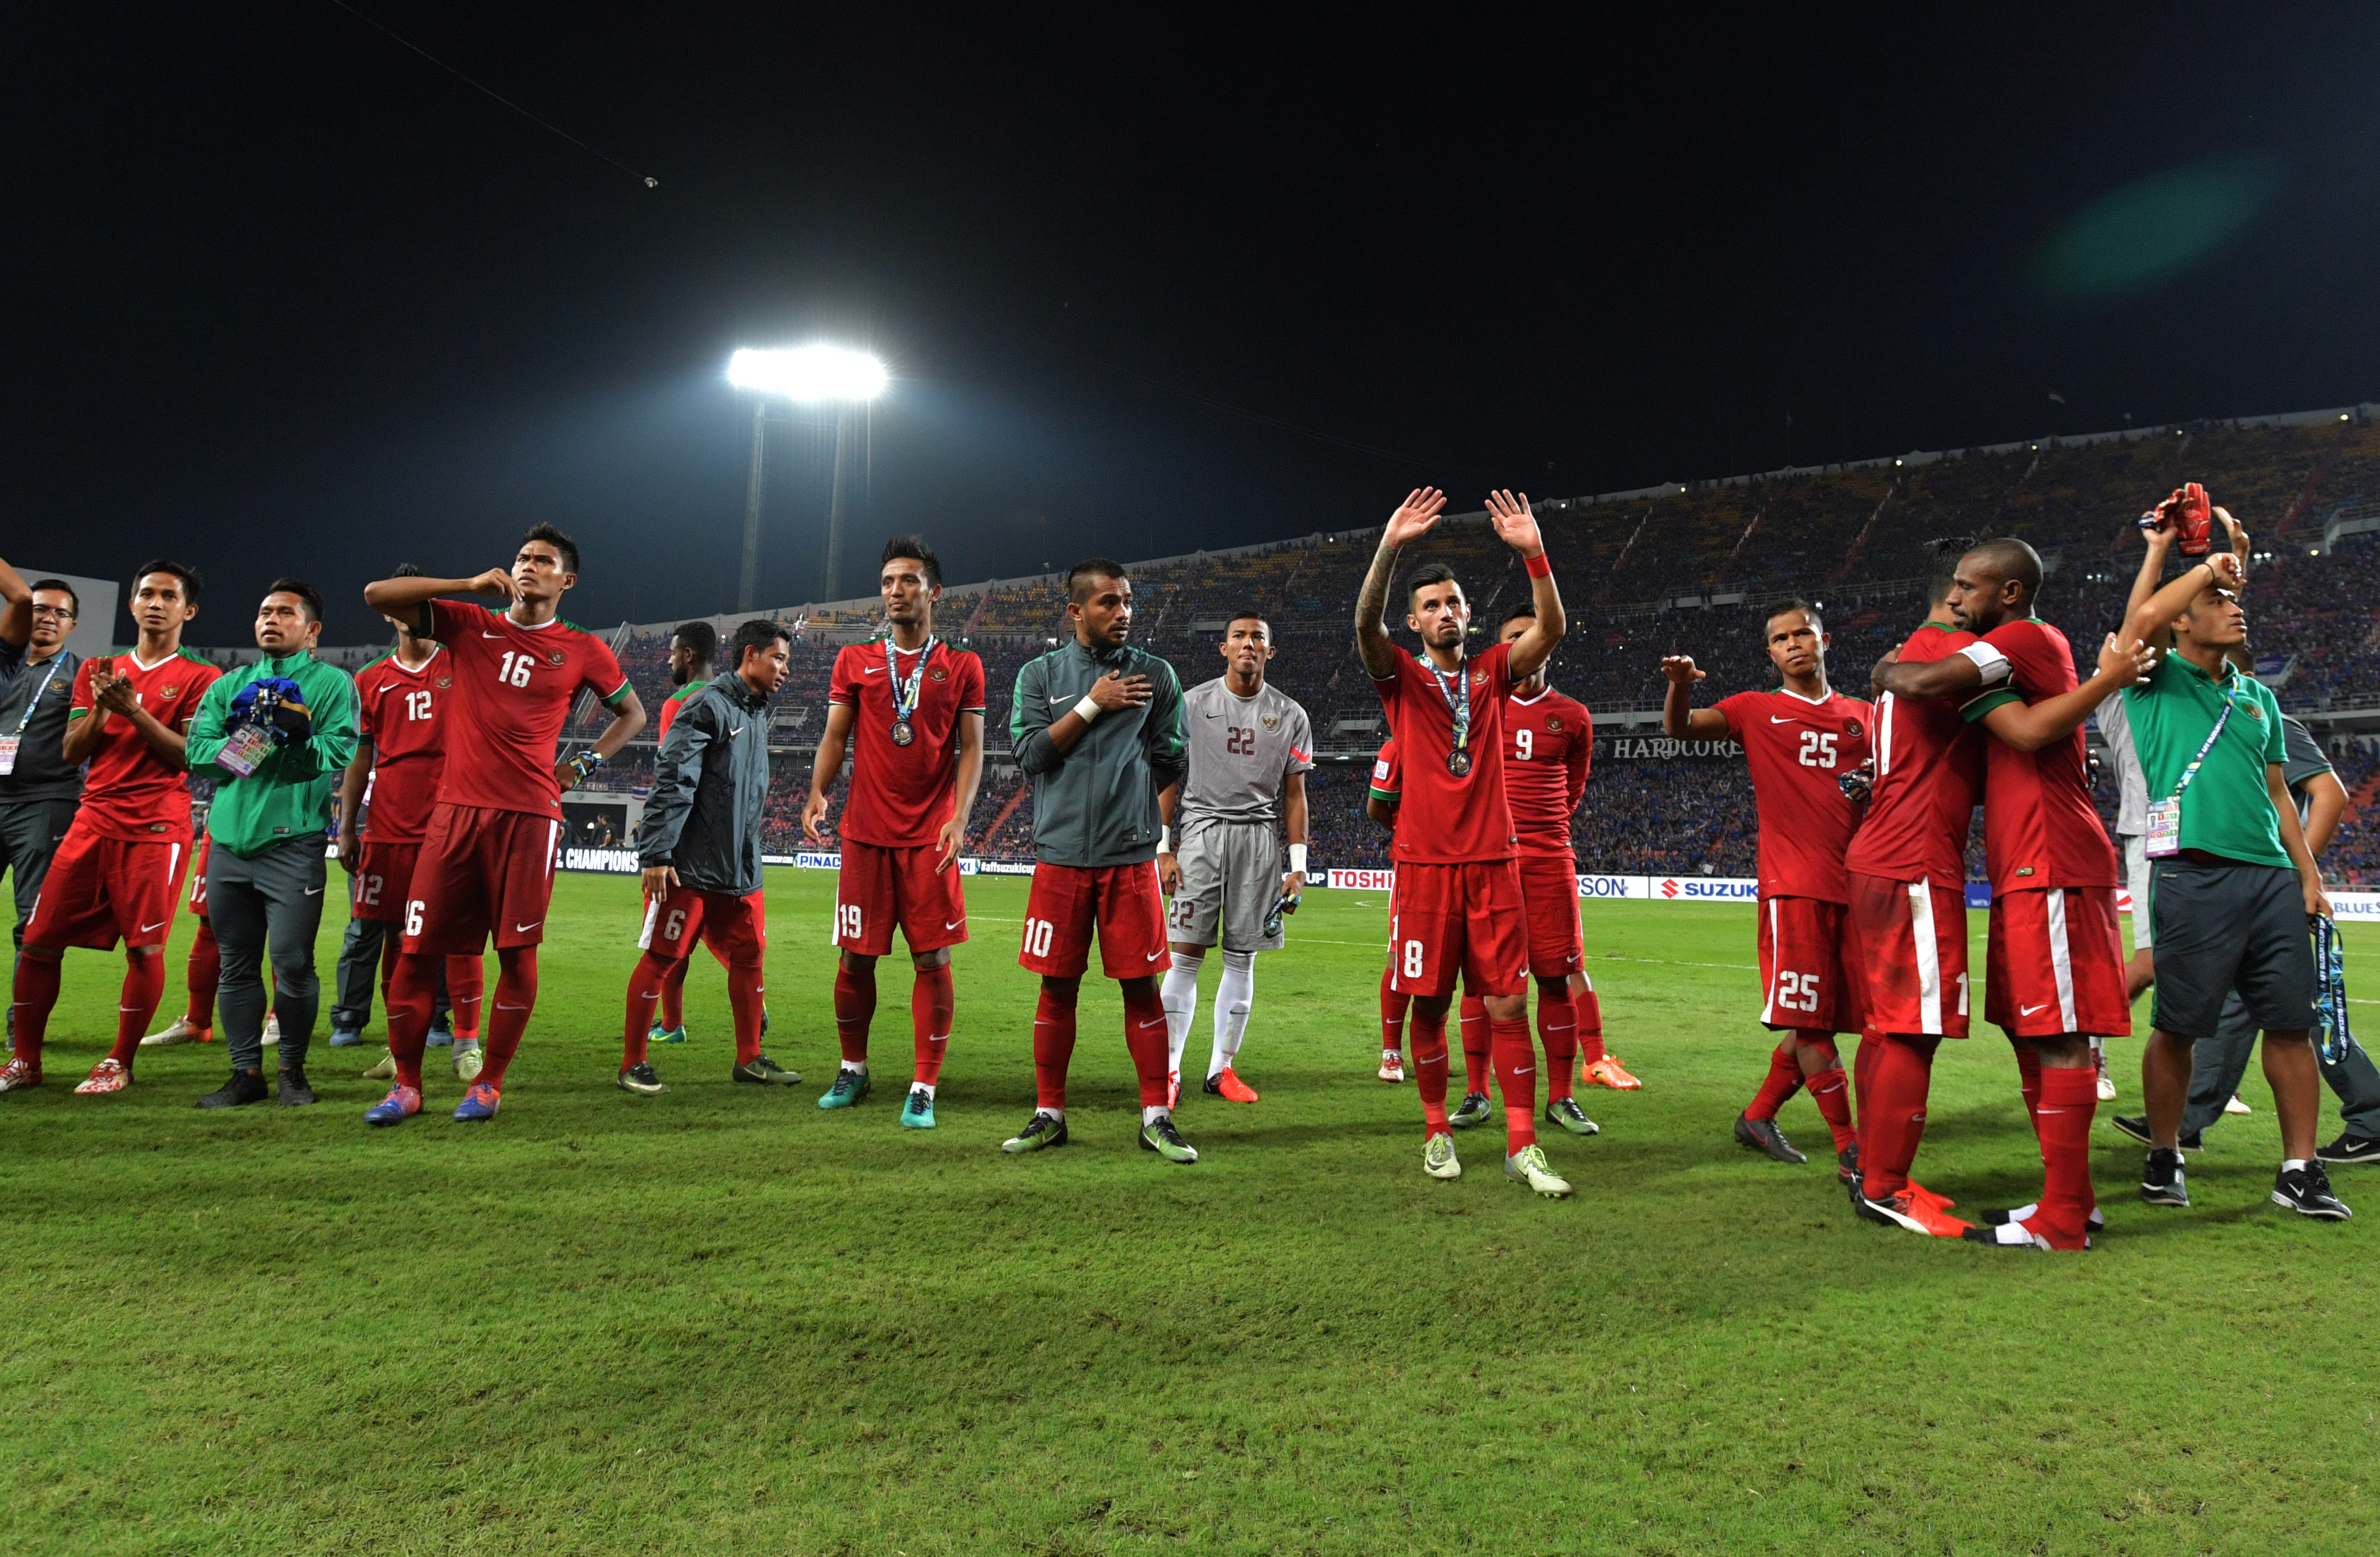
(850, 1086)
(918, 1114)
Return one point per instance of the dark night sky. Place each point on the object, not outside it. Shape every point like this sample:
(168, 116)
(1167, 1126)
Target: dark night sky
(289, 298)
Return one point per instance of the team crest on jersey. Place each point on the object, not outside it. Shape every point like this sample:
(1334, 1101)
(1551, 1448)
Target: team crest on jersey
(2255, 711)
(443, 682)
(1269, 721)
(176, 691)
(556, 657)
(1479, 678)
(938, 674)
(1851, 728)
(1553, 721)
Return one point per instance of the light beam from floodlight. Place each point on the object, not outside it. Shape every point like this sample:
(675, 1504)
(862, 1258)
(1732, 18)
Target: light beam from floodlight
(808, 374)
(813, 375)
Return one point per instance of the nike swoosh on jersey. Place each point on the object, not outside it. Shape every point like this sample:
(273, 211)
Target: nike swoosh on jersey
(737, 731)
(485, 632)
(1774, 719)
(870, 670)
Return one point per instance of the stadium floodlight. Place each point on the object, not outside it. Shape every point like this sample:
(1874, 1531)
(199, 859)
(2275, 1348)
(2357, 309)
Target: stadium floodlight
(813, 375)
(808, 374)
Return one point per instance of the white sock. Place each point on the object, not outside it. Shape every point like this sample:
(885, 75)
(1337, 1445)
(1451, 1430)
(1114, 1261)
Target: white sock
(2292, 1165)
(1049, 1113)
(1151, 1116)
(1233, 995)
(925, 1087)
(1179, 996)
(856, 1066)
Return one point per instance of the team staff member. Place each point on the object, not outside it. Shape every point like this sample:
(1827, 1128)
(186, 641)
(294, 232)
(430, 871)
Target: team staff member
(2234, 888)
(119, 871)
(700, 842)
(1098, 724)
(39, 790)
(693, 647)
(275, 736)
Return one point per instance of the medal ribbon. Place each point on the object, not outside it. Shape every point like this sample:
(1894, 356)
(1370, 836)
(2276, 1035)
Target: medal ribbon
(904, 698)
(1459, 712)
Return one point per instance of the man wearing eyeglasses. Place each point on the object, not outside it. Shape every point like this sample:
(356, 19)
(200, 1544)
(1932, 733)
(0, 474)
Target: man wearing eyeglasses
(39, 789)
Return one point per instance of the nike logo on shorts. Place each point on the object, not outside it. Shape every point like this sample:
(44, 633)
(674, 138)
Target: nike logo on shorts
(1159, 1022)
(955, 924)
(1151, 957)
(313, 891)
(147, 928)
(525, 929)
(2029, 1010)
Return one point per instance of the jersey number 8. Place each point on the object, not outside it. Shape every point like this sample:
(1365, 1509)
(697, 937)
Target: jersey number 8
(1818, 748)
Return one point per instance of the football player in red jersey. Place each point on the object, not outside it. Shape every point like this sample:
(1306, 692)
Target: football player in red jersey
(485, 865)
(117, 873)
(1380, 805)
(1907, 868)
(2055, 969)
(1548, 743)
(918, 706)
(1457, 904)
(401, 703)
(1799, 742)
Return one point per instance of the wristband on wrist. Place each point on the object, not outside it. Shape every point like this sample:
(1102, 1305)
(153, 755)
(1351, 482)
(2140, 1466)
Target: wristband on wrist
(587, 762)
(1540, 565)
(1088, 709)
(1297, 857)
(1165, 840)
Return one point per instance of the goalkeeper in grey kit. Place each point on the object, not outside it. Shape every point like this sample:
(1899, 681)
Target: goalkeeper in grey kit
(1250, 746)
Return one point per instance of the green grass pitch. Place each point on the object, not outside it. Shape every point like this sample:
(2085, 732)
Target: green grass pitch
(723, 1321)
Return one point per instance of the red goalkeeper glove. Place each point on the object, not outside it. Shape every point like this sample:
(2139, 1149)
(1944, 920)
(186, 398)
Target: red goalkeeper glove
(2193, 518)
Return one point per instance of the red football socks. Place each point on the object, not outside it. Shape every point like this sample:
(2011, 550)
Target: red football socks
(1517, 1079)
(205, 972)
(855, 1008)
(1830, 1088)
(1393, 1005)
(410, 991)
(465, 985)
(1557, 1032)
(1783, 1080)
(1143, 1034)
(747, 992)
(144, 987)
(515, 998)
(2069, 1099)
(1589, 1008)
(1429, 1071)
(1892, 1110)
(673, 1001)
(1476, 1045)
(933, 1000)
(645, 981)
(1053, 1048)
(2028, 1080)
(35, 996)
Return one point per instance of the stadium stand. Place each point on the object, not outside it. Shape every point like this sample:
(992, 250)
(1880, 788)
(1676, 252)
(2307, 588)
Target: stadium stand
(1691, 568)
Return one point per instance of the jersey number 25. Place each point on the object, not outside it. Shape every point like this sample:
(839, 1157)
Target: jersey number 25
(1818, 748)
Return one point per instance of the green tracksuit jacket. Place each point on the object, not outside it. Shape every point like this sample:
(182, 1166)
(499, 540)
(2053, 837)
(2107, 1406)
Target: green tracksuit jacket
(290, 793)
(1097, 805)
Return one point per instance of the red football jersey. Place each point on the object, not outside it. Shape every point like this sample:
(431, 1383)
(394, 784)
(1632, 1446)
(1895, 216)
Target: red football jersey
(2040, 829)
(1443, 820)
(512, 690)
(1548, 741)
(671, 706)
(397, 710)
(1387, 782)
(902, 796)
(128, 791)
(1797, 748)
(1929, 776)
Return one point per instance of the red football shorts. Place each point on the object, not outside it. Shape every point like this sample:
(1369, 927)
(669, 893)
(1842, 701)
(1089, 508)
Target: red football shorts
(1549, 901)
(2053, 964)
(480, 873)
(1467, 919)
(1913, 940)
(880, 887)
(382, 882)
(197, 897)
(729, 923)
(1122, 899)
(104, 889)
(1810, 972)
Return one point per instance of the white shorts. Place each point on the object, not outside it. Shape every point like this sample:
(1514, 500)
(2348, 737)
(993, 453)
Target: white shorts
(2136, 877)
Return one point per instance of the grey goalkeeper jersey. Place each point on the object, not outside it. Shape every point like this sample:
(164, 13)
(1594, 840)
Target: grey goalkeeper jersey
(1241, 750)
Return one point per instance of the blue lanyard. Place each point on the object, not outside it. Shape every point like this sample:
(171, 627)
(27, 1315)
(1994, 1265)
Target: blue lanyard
(2229, 703)
(36, 700)
(904, 698)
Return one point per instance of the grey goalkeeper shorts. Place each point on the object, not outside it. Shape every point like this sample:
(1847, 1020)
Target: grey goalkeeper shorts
(1230, 873)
